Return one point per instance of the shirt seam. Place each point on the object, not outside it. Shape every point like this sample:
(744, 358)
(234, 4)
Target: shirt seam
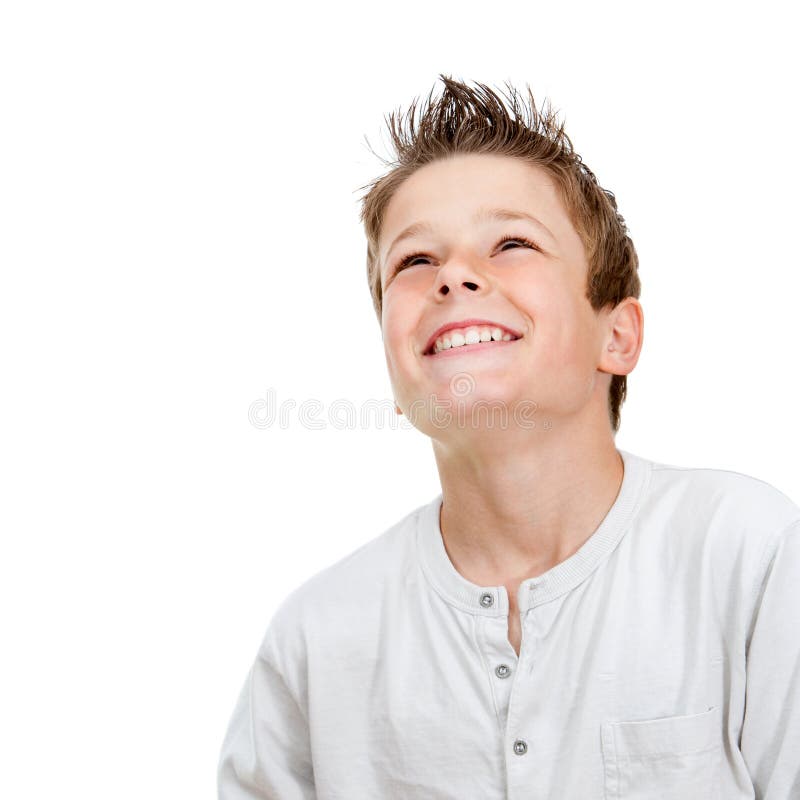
(760, 579)
(446, 598)
(432, 582)
(479, 622)
(258, 775)
(647, 467)
(274, 665)
(663, 467)
(643, 491)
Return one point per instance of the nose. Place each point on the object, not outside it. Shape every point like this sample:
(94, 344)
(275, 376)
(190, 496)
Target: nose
(458, 275)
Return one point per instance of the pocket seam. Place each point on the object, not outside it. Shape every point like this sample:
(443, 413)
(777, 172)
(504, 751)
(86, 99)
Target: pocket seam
(662, 736)
(610, 762)
(667, 754)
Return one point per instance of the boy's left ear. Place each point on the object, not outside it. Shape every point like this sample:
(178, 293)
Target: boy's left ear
(625, 337)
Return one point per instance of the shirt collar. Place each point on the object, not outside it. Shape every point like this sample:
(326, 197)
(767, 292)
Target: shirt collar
(492, 601)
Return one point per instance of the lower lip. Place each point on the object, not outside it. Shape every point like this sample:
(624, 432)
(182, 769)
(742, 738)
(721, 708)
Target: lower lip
(452, 352)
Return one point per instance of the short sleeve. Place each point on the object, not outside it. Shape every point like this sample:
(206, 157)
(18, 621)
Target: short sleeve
(770, 741)
(266, 752)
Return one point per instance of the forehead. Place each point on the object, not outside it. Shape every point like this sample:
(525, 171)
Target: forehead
(450, 193)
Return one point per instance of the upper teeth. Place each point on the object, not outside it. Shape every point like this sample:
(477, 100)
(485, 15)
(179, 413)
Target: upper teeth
(458, 337)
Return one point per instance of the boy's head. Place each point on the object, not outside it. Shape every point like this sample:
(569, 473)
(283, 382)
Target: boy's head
(556, 279)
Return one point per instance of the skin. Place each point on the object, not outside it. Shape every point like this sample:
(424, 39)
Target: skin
(523, 496)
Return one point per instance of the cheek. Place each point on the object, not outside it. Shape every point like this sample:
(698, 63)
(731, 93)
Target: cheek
(575, 342)
(559, 329)
(396, 325)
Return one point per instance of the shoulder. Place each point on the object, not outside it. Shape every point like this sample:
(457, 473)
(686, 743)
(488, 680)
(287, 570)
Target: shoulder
(721, 515)
(707, 494)
(347, 592)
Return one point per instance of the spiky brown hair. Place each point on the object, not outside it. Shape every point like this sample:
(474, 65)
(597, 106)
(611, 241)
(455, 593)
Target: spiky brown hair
(475, 119)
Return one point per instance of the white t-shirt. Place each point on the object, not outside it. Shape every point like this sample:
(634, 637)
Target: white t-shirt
(660, 660)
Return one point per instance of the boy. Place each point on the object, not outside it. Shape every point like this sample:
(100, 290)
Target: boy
(564, 620)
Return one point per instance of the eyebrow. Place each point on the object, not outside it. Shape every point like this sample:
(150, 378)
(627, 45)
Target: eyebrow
(482, 215)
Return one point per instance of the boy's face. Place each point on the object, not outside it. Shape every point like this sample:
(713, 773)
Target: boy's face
(465, 272)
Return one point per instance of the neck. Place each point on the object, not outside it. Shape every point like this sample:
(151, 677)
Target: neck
(515, 506)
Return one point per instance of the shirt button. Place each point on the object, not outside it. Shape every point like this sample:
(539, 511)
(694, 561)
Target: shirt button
(520, 747)
(487, 600)
(502, 671)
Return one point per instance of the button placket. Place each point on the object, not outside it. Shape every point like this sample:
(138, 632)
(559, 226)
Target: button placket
(494, 638)
(520, 746)
(501, 670)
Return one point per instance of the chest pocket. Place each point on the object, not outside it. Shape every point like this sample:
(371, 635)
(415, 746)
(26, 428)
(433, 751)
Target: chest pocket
(672, 758)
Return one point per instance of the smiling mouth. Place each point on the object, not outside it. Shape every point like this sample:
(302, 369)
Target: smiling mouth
(474, 346)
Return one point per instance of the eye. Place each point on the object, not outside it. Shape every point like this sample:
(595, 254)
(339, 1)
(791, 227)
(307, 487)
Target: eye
(408, 260)
(521, 239)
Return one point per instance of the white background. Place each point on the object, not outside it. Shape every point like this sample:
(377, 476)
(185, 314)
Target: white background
(179, 187)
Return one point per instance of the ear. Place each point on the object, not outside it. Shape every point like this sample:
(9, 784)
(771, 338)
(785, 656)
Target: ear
(397, 409)
(623, 338)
